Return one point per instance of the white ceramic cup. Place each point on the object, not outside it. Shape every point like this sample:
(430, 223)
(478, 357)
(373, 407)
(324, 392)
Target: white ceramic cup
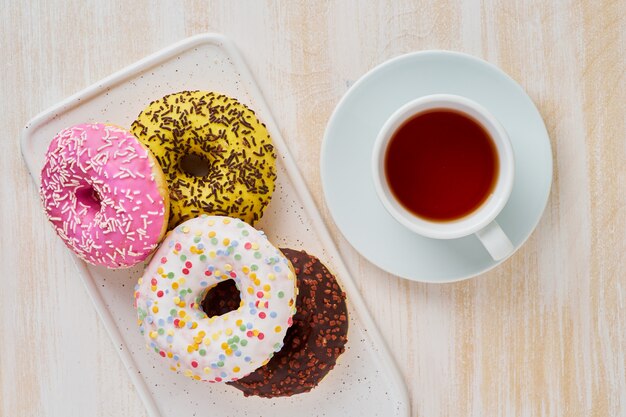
(482, 220)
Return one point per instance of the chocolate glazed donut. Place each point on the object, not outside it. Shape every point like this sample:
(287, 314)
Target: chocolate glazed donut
(314, 341)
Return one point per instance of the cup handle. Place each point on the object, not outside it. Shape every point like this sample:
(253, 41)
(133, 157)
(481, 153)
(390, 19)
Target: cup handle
(495, 241)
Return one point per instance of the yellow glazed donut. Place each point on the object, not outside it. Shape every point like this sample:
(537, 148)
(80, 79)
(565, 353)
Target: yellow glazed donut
(229, 151)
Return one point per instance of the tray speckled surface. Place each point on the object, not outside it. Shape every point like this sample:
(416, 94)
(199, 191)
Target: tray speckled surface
(365, 381)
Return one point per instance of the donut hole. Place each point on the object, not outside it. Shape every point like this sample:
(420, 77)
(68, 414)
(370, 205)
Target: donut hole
(194, 165)
(89, 197)
(221, 299)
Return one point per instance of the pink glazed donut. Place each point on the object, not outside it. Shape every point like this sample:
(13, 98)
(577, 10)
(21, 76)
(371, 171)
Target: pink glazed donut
(105, 194)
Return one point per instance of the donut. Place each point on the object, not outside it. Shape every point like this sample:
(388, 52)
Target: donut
(104, 194)
(217, 156)
(194, 257)
(314, 342)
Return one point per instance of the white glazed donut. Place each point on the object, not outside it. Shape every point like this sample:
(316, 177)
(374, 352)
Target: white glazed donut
(194, 257)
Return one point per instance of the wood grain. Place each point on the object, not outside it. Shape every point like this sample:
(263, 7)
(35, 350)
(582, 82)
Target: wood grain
(542, 335)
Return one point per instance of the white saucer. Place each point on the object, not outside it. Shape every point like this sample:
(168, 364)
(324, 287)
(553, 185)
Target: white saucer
(347, 149)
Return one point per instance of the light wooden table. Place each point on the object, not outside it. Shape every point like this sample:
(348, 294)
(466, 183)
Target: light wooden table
(542, 335)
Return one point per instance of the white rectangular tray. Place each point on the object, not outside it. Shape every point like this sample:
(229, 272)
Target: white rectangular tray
(365, 381)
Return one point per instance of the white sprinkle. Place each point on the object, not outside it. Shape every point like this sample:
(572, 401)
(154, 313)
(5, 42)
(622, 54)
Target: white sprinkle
(106, 145)
(128, 171)
(130, 158)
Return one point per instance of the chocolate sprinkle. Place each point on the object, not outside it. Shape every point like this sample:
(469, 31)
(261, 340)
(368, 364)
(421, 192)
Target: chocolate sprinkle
(314, 341)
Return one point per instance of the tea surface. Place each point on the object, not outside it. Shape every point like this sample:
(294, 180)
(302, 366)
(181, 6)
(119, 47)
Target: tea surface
(441, 165)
